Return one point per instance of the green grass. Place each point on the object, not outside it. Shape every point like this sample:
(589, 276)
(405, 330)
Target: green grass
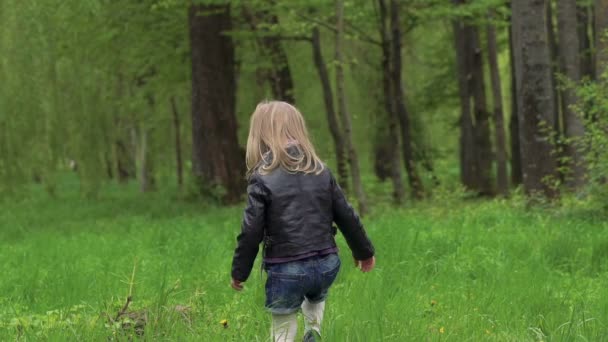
(446, 271)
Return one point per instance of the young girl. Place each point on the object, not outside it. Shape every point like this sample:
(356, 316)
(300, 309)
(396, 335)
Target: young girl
(293, 200)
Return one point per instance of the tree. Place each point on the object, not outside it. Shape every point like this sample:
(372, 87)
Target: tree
(516, 169)
(277, 72)
(216, 156)
(399, 106)
(499, 126)
(343, 110)
(601, 38)
(570, 64)
(390, 149)
(536, 106)
(584, 26)
(328, 101)
(475, 146)
(179, 163)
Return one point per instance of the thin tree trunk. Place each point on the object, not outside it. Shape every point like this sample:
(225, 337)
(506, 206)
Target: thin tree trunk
(392, 150)
(279, 73)
(570, 67)
(145, 173)
(217, 158)
(516, 168)
(554, 53)
(179, 164)
(328, 100)
(483, 156)
(344, 114)
(468, 169)
(407, 144)
(499, 125)
(586, 56)
(146, 167)
(601, 37)
(535, 96)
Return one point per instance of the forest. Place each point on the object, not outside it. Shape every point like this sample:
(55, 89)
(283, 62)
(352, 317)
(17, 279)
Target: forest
(471, 136)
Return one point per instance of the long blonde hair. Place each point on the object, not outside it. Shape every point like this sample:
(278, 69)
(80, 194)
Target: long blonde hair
(276, 126)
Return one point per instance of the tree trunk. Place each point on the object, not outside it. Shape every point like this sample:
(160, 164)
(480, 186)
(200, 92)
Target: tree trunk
(279, 73)
(516, 168)
(332, 118)
(468, 169)
(216, 159)
(586, 56)
(601, 37)
(344, 114)
(392, 146)
(536, 106)
(475, 145)
(499, 125)
(147, 181)
(179, 164)
(554, 53)
(483, 156)
(407, 144)
(146, 176)
(570, 68)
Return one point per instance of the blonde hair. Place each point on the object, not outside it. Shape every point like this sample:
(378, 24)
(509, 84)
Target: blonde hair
(276, 126)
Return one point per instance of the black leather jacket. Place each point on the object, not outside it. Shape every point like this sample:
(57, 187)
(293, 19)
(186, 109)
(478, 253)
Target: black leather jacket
(293, 214)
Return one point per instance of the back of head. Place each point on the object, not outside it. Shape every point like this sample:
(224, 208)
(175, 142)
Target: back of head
(275, 128)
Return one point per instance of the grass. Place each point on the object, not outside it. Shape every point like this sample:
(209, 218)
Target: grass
(446, 271)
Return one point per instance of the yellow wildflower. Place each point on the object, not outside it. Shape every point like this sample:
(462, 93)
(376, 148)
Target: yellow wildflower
(224, 322)
(441, 330)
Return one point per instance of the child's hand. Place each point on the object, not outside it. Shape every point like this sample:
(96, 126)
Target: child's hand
(237, 285)
(366, 265)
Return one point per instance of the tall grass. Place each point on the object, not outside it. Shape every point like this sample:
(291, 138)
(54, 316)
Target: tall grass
(446, 271)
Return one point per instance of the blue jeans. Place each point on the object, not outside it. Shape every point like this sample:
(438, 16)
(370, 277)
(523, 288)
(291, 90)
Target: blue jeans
(289, 283)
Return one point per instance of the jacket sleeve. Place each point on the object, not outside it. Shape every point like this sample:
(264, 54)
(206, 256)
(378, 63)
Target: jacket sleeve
(252, 230)
(350, 225)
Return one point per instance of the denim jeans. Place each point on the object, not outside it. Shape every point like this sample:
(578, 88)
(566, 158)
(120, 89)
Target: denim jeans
(289, 283)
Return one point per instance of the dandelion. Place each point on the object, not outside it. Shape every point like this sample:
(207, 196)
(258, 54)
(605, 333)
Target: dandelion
(224, 322)
(441, 330)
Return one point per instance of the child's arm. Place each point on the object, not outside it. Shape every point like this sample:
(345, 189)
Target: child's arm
(351, 227)
(252, 232)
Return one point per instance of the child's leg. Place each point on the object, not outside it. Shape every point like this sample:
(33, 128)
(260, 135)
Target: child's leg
(284, 327)
(313, 315)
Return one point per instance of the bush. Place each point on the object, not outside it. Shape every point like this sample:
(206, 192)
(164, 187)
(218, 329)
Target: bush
(593, 107)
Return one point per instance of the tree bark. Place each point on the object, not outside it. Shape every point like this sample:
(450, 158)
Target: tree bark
(516, 168)
(570, 67)
(392, 146)
(217, 158)
(407, 145)
(601, 37)
(328, 100)
(536, 105)
(279, 73)
(179, 164)
(344, 114)
(499, 125)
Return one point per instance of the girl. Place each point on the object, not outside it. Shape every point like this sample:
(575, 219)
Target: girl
(293, 199)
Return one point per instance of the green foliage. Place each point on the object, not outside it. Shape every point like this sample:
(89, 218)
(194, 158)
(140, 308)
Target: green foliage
(593, 107)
